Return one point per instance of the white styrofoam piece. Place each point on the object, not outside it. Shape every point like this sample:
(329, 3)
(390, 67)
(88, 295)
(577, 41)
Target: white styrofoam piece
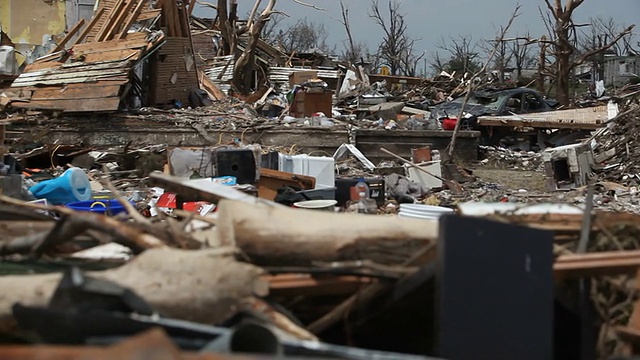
(320, 167)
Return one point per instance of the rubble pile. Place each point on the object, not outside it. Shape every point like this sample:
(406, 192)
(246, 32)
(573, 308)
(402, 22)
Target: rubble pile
(617, 147)
(501, 158)
(163, 198)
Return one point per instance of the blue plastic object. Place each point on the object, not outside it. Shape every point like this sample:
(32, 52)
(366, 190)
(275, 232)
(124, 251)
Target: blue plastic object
(108, 207)
(72, 186)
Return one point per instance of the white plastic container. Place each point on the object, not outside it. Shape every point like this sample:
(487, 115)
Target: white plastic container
(421, 211)
(8, 64)
(320, 167)
(425, 179)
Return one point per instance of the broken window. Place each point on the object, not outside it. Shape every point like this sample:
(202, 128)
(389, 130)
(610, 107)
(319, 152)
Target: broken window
(561, 172)
(532, 103)
(514, 104)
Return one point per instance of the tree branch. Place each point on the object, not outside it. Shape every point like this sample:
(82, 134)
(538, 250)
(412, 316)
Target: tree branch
(593, 52)
(252, 15)
(308, 5)
(551, 8)
(470, 87)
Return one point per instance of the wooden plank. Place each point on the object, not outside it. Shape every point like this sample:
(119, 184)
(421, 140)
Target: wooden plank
(211, 88)
(84, 79)
(587, 118)
(72, 105)
(66, 39)
(77, 91)
(107, 5)
(597, 264)
(108, 56)
(539, 124)
(200, 190)
(80, 78)
(62, 74)
(76, 67)
(132, 19)
(133, 41)
(90, 26)
(60, 88)
(122, 16)
(113, 15)
(114, 55)
(304, 284)
(150, 14)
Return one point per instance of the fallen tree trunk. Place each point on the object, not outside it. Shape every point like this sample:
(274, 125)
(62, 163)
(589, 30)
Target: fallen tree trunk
(190, 285)
(281, 236)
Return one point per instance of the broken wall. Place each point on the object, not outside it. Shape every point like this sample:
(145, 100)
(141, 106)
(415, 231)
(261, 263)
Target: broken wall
(176, 74)
(35, 25)
(618, 70)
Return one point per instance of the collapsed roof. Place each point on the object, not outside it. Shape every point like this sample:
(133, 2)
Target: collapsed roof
(132, 52)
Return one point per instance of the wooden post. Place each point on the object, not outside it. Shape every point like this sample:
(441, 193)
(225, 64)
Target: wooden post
(72, 32)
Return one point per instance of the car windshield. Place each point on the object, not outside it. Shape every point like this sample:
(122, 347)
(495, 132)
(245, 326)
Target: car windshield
(488, 100)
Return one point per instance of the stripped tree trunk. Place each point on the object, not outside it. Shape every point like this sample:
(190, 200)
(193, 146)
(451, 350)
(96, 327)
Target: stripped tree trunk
(281, 236)
(199, 286)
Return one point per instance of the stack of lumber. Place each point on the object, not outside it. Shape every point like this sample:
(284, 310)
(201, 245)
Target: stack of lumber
(89, 70)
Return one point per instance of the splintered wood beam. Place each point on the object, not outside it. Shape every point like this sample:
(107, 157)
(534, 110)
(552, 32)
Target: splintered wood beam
(70, 34)
(132, 19)
(192, 4)
(183, 13)
(175, 19)
(120, 19)
(89, 27)
(109, 21)
(169, 17)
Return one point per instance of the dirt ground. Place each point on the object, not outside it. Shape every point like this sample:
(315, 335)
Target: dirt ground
(512, 179)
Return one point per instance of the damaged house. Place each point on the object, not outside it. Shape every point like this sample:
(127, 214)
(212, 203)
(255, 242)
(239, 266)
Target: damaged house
(130, 53)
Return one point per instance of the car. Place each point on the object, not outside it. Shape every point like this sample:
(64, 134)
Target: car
(491, 102)
(495, 102)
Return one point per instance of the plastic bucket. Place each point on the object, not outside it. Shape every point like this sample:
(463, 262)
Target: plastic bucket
(324, 205)
(106, 207)
(72, 186)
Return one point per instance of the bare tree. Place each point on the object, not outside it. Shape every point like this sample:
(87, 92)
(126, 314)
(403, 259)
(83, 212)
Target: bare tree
(272, 28)
(461, 55)
(502, 57)
(473, 83)
(521, 54)
(231, 30)
(354, 51)
(563, 43)
(396, 48)
(600, 32)
(303, 36)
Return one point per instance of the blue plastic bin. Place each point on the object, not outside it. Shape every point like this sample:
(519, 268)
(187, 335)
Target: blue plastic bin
(106, 207)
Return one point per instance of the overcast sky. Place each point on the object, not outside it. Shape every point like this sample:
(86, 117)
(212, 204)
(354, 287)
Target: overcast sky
(429, 20)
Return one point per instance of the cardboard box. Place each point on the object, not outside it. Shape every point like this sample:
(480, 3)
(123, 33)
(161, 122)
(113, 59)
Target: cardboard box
(299, 77)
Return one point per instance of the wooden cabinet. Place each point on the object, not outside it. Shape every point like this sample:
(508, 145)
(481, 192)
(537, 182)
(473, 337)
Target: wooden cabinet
(308, 103)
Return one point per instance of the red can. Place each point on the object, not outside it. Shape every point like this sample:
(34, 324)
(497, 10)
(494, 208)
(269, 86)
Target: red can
(449, 123)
